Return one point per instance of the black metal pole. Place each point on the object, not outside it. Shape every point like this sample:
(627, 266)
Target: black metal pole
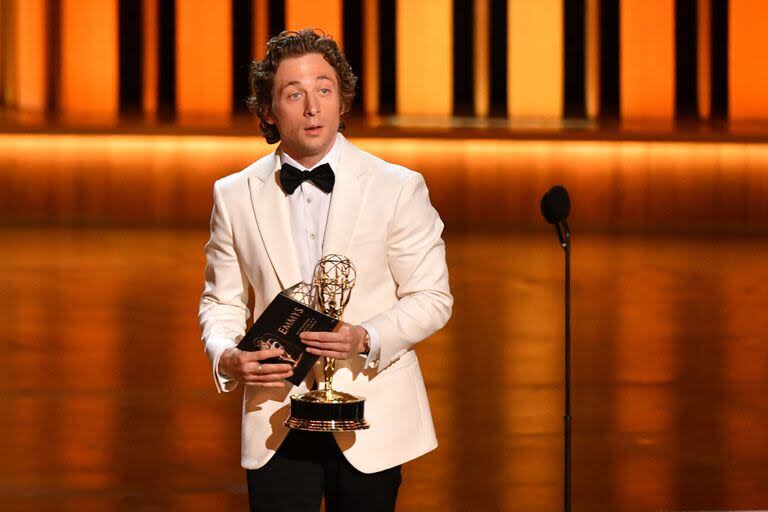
(566, 244)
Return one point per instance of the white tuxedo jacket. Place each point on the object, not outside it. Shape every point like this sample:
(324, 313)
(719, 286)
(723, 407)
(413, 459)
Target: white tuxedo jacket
(381, 218)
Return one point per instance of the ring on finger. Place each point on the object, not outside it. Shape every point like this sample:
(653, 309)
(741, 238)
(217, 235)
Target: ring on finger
(258, 369)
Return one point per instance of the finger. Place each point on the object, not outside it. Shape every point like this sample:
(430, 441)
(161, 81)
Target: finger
(260, 355)
(258, 377)
(266, 369)
(254, 369)
(336, 354)
(321, 336)
(274, 377)
(330, 345)
(267, 384)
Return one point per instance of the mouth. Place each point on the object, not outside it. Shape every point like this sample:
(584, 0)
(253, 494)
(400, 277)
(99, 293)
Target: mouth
(313, 130)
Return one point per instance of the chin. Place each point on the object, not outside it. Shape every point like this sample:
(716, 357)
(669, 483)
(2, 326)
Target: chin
(319, 143)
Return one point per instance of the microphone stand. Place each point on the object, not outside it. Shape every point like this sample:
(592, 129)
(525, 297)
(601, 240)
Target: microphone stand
(564, 235)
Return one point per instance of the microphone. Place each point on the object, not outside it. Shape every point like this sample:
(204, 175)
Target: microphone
(556, 204)
(555, 207)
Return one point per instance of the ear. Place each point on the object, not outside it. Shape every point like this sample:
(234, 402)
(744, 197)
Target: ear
(266, 112)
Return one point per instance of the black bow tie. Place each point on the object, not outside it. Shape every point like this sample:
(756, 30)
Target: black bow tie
(322, 176)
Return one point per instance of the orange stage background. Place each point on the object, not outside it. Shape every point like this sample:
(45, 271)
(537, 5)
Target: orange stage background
(116, 117)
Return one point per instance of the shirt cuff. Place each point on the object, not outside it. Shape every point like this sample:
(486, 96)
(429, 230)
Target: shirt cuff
(223, 383)
(372, 361)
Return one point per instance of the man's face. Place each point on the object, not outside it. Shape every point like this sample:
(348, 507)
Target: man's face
(306, 107)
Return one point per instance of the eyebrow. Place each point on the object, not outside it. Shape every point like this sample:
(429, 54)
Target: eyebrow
(296, 82)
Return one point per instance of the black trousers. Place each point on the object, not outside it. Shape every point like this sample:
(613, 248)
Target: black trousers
(308, 466)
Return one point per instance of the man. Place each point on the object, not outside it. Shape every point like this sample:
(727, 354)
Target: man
(270, 224)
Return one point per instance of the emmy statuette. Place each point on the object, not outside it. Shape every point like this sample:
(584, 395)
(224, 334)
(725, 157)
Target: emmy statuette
(328, 410)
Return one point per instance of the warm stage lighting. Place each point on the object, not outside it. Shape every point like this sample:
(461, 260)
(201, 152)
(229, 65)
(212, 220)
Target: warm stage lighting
(475, 183)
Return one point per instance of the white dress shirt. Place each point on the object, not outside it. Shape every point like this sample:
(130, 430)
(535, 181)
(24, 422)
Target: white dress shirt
(308, 206)
(308, 209)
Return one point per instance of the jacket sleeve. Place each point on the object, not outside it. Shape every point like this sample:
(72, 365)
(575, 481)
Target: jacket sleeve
(416, 257)
(224, 303)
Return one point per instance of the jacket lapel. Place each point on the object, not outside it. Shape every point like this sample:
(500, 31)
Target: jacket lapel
(273, 218)
(345, 201)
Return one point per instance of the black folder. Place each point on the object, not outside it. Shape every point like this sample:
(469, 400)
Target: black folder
(289, 314)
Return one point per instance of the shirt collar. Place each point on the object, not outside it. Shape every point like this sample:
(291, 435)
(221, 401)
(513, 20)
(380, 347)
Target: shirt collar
(332, 158)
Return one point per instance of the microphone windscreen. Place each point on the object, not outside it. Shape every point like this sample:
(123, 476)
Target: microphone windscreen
(556, 204)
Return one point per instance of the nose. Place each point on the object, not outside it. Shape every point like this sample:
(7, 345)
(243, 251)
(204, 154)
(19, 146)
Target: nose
(312, 107)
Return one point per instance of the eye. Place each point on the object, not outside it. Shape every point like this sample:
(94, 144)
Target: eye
(294, 95)
(325, 90)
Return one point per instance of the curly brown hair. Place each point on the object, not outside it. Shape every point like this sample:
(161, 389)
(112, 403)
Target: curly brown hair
(295, 44)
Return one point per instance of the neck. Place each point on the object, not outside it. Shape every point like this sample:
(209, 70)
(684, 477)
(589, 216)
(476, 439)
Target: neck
(307, 161)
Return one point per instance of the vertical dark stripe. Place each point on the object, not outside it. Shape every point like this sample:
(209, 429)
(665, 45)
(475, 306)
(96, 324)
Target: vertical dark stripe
(53, 55)
(242, 37)
(697, 320)
(686, 63)
(609, 59)
(166, 59)
(276, 17)
(463, 58)
(131, 76)
(719, 106)
(497, 47)
(574, 94)
(387, 64)
(6, 15)
(352, 21)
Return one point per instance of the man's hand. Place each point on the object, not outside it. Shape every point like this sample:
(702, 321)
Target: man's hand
(347, 342)
(246, 367)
